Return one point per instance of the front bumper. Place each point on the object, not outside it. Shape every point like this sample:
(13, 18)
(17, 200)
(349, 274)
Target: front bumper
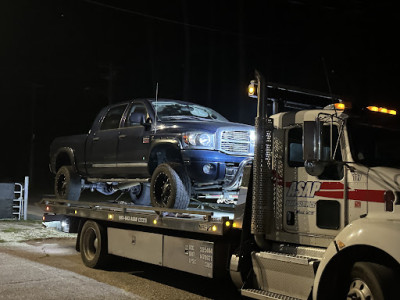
(207, 166)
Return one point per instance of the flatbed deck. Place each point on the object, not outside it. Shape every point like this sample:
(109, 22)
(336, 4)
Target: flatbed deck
(194, 220)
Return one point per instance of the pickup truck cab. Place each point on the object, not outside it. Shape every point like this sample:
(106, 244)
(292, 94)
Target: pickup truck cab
(164, 152)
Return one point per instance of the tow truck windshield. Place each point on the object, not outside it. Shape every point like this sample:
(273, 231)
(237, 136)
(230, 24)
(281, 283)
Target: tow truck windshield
(375, 142)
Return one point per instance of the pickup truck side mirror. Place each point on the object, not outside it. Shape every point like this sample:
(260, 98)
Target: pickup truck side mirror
(139, 118)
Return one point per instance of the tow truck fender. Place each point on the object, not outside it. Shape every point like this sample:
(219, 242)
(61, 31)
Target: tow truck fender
(379, 231)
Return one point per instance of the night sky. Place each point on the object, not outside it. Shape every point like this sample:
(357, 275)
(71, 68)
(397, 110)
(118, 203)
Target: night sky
(63, 60)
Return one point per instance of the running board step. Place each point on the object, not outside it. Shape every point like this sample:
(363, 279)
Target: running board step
(284, 274)
(264, 295)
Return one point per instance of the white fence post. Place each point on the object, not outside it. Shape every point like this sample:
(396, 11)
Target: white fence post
(26, 188)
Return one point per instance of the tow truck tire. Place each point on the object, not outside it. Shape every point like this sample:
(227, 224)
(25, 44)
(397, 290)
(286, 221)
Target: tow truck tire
(170, 186)
(93, 245)
(67, 184)
(371, 281)
(140, 194)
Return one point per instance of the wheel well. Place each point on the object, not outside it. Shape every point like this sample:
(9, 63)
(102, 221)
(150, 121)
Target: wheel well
(163, 153)
(339, 267)
(63, 159)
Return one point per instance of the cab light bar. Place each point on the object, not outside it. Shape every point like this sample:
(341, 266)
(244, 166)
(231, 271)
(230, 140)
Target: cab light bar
(382, 110)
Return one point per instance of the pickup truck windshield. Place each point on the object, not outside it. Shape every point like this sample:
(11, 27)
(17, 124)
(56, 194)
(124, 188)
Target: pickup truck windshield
(374, 144)
(171, 111)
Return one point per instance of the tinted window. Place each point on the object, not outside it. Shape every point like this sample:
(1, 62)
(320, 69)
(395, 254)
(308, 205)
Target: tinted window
(295, 141)
(113, 117)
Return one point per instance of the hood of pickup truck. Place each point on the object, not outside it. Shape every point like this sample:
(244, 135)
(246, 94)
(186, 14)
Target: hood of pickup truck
(179, 126)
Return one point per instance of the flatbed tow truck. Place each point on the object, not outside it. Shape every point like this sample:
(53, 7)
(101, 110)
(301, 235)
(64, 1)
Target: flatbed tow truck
(317, 216)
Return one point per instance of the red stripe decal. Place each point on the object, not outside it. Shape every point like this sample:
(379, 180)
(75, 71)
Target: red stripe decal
(361, 195)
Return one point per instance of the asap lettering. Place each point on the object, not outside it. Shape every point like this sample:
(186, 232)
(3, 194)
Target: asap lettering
(305, 189)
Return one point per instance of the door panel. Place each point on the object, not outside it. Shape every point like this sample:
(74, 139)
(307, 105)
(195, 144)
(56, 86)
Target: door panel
(313, 205)
(102, 144)
(134, 145)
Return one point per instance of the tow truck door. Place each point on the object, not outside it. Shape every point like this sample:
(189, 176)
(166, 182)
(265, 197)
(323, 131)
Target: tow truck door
(313, 206)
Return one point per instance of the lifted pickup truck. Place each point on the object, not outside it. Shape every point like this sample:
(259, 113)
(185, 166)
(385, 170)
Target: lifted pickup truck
(170, 149)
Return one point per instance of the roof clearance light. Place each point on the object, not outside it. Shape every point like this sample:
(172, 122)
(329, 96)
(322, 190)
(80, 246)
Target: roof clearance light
(373, 108)
(340, 106)
(382, 110)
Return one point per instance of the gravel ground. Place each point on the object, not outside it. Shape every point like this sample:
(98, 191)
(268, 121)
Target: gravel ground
(38, 248)
(12, 231)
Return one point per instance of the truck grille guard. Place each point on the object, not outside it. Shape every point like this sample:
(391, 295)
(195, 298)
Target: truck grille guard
(234, 184)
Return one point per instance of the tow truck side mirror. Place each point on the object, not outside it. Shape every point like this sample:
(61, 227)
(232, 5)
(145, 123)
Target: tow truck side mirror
(312, 147)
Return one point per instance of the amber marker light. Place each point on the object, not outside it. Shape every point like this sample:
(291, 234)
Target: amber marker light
(383, 110)
(155, 222)
(252, 89)
(373, 108)
(214, 228)
(234, 225)
(110, 217)
(227, 223)
(392, 112)
(340, 106)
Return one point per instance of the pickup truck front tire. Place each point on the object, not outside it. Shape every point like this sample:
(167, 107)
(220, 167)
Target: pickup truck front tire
(67, 184)
(170, 186)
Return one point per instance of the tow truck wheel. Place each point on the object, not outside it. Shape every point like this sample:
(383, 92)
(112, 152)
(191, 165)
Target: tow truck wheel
(371, 281)
(93, 245)
(140, 194)
(170, 186)
(67, 184)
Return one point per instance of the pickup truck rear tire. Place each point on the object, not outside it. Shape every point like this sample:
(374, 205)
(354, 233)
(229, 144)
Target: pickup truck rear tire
(67, 184)
(170, 186)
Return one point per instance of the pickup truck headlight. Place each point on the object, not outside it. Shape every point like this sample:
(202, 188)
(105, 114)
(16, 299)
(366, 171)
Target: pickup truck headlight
(199, 140)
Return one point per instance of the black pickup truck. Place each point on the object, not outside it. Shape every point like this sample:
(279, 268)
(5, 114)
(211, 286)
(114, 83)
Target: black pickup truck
(162, 152)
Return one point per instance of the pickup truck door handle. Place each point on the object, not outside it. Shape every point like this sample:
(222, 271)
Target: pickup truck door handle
(95, 139)
(122, 136)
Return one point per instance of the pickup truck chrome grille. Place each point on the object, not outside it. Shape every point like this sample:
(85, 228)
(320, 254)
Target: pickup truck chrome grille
(236, 142)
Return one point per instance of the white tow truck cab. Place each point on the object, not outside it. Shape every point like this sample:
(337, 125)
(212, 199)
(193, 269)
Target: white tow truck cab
(318, 213)
(329, 219)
